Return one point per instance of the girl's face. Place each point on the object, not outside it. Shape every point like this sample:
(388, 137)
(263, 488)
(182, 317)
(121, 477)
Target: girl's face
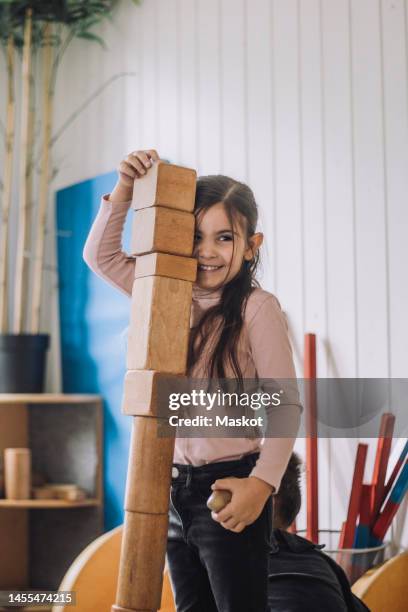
(215, 250)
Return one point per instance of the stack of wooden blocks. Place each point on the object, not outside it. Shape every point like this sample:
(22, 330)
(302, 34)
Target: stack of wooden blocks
(162, 241)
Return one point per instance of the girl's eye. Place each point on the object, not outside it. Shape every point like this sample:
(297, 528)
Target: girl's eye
(224, 237)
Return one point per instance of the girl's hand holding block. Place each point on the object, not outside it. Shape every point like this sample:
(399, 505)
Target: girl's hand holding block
(239, 501)
(132, 167)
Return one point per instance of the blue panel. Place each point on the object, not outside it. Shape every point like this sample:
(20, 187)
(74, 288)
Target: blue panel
(93, 318)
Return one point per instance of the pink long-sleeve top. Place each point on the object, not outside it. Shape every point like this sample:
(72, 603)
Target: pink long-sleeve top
(264, 349)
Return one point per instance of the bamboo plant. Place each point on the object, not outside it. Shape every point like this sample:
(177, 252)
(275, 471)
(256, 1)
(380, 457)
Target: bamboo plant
(32, 31)
(24, 207)
(7, 185)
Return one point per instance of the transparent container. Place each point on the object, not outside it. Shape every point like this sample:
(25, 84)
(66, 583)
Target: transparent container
(354, 561)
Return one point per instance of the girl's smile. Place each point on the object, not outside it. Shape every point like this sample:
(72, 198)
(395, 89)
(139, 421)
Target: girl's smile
(220, 248)
(207, 268)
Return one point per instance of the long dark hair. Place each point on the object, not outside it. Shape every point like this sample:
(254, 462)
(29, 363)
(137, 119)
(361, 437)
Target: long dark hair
(227, 314)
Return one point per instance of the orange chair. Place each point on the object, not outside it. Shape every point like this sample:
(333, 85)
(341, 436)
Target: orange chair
(386, 587)
(93, 576)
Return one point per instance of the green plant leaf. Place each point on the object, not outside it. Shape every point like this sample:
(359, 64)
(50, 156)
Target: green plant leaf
(94, 37)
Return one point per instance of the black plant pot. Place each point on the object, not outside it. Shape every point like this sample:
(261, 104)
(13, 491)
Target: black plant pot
(22, 362)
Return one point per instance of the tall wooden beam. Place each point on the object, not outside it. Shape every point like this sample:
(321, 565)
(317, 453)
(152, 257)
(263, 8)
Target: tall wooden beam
(162, 241)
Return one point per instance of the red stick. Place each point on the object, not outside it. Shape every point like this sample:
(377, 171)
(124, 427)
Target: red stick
(312, 490)
(342, 534)
(362, 539)
(365, 504)
(349, 527)
(396, 470)
(381, 463)
(398, 493)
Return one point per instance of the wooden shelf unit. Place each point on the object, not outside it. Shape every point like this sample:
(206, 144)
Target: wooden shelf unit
(40, 537)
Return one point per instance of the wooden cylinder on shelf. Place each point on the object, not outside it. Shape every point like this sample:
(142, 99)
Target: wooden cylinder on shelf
(17, 473)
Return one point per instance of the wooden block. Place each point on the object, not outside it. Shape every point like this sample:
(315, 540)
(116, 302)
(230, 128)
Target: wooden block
(149, 468)
(162, 264)
(166, 185)
(219, 499)
(69, 492)
(143, 552)
(144, 389)
(162, 229)
(43, 493)
(159, 325)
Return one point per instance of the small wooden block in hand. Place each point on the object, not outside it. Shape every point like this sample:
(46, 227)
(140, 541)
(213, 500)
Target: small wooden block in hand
(219, 499)
(165, 185)
(164, 230)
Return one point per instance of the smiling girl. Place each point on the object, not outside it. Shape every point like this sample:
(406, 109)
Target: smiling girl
(217, 561)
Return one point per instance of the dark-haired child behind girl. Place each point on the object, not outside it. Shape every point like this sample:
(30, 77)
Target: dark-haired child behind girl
(217, 561)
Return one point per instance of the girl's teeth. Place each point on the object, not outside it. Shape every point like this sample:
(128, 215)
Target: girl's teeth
(209, 268)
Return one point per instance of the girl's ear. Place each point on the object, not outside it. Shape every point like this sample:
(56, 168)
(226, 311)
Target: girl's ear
(255, 242)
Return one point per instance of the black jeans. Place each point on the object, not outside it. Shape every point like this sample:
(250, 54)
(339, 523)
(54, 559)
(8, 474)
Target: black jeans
(213, 569)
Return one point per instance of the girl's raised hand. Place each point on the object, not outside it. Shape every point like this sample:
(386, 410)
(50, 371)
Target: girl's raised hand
(135, 165)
